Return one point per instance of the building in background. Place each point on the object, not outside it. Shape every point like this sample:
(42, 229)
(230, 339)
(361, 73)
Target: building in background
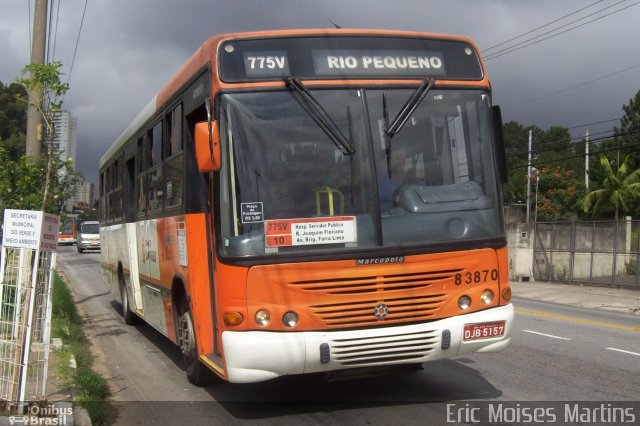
(65, 136)
(64, 141)
(84, 195)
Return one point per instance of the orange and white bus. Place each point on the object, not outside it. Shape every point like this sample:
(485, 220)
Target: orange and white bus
(313, 201)
(67, 233)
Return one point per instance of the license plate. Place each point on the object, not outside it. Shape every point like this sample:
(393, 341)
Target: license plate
(485, 330)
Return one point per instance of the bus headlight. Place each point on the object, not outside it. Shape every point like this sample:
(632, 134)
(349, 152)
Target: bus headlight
(487, 297)
(290, 319)
(464, 303)
(263, 317)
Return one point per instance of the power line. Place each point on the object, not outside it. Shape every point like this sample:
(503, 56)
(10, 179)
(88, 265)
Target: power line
(49, 48)
(55, 39)
(577, 139)
(555, 29)
(77, 41)
(523, 44)
(553, 144)
(579, 84)
(603, 150)
(49, 27)
(538, 163)
(542, 26)
(30, 33)
(594, 123)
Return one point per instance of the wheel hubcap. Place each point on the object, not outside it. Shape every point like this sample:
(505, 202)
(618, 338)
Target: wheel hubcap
(186, 337)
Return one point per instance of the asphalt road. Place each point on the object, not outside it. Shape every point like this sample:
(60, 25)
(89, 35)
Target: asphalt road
(558, 353)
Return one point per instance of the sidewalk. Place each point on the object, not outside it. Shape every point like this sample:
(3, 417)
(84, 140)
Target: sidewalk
(611, 299)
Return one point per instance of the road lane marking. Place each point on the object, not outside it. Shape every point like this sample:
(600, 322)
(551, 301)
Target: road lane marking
(546, 335)
(577, 320)
(623, 351)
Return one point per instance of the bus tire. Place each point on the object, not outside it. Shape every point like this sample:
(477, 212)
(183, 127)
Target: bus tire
(197, 373)
(129, 317)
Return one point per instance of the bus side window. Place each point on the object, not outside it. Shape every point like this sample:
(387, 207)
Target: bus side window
(103, 215)
(141, 188)
(142, 194)
(155, 188)
(115, 197)
(107, 189)
(174, 164)
(155, 145)
(130, 190)
(174, 131)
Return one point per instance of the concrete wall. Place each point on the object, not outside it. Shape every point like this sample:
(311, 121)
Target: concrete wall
(581, 251)
(520, 239)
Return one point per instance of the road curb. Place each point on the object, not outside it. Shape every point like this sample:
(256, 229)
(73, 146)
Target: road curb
(626, 301)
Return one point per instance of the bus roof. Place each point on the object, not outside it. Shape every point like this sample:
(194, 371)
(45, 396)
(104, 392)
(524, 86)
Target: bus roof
(208, 52)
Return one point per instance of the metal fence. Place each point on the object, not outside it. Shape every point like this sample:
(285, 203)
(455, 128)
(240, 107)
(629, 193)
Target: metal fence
(25, 323)
(604, 253)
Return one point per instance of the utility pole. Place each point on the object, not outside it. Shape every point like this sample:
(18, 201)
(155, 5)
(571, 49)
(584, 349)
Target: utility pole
(535, 214)
(34, 119)
(586, 161)
(529, 180)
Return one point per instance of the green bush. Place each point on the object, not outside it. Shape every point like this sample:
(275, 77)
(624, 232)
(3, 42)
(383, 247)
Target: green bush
(93, 389)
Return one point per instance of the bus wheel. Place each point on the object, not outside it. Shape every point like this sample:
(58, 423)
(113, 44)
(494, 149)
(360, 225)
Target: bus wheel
(197, 373)
(127, 314)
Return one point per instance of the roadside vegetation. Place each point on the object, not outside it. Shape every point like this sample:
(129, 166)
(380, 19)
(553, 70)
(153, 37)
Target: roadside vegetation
(558, 177)
(42, 183)
(89, 389)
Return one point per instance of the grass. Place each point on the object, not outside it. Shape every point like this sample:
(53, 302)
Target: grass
(92, 390)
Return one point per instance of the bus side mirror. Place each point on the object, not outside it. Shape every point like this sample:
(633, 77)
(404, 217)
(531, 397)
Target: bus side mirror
(207, 146)
(501, 154)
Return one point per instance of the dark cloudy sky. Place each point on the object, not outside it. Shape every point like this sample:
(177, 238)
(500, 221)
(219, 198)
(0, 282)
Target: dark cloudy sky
(128, 49)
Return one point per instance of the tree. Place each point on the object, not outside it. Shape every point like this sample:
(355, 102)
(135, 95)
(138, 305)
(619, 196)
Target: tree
(25, 183)
(22, 181)
(516, 145)
(45, 78)
(13, 119)
(559, 194)
(627, 137)
(618, 189)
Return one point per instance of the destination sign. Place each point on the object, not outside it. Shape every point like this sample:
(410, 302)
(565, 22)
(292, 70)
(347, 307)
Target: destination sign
(328, 57)
(378, 63)
(310, 231)
(264, 64)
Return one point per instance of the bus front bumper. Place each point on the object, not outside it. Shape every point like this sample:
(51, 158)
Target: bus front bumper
(254, 356)
(66, 240)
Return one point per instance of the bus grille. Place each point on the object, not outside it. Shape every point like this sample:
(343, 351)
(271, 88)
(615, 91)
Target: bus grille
(380, 350)
(350, 301)
(361, 313)
(375, 284)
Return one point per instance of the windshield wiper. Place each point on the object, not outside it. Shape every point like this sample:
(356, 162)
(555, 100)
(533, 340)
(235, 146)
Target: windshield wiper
(312, 107)
(352, 164)
(387, 139)
(407, 109)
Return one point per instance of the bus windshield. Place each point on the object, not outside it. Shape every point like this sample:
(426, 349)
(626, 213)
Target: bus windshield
(66, 226)
(286, 187)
